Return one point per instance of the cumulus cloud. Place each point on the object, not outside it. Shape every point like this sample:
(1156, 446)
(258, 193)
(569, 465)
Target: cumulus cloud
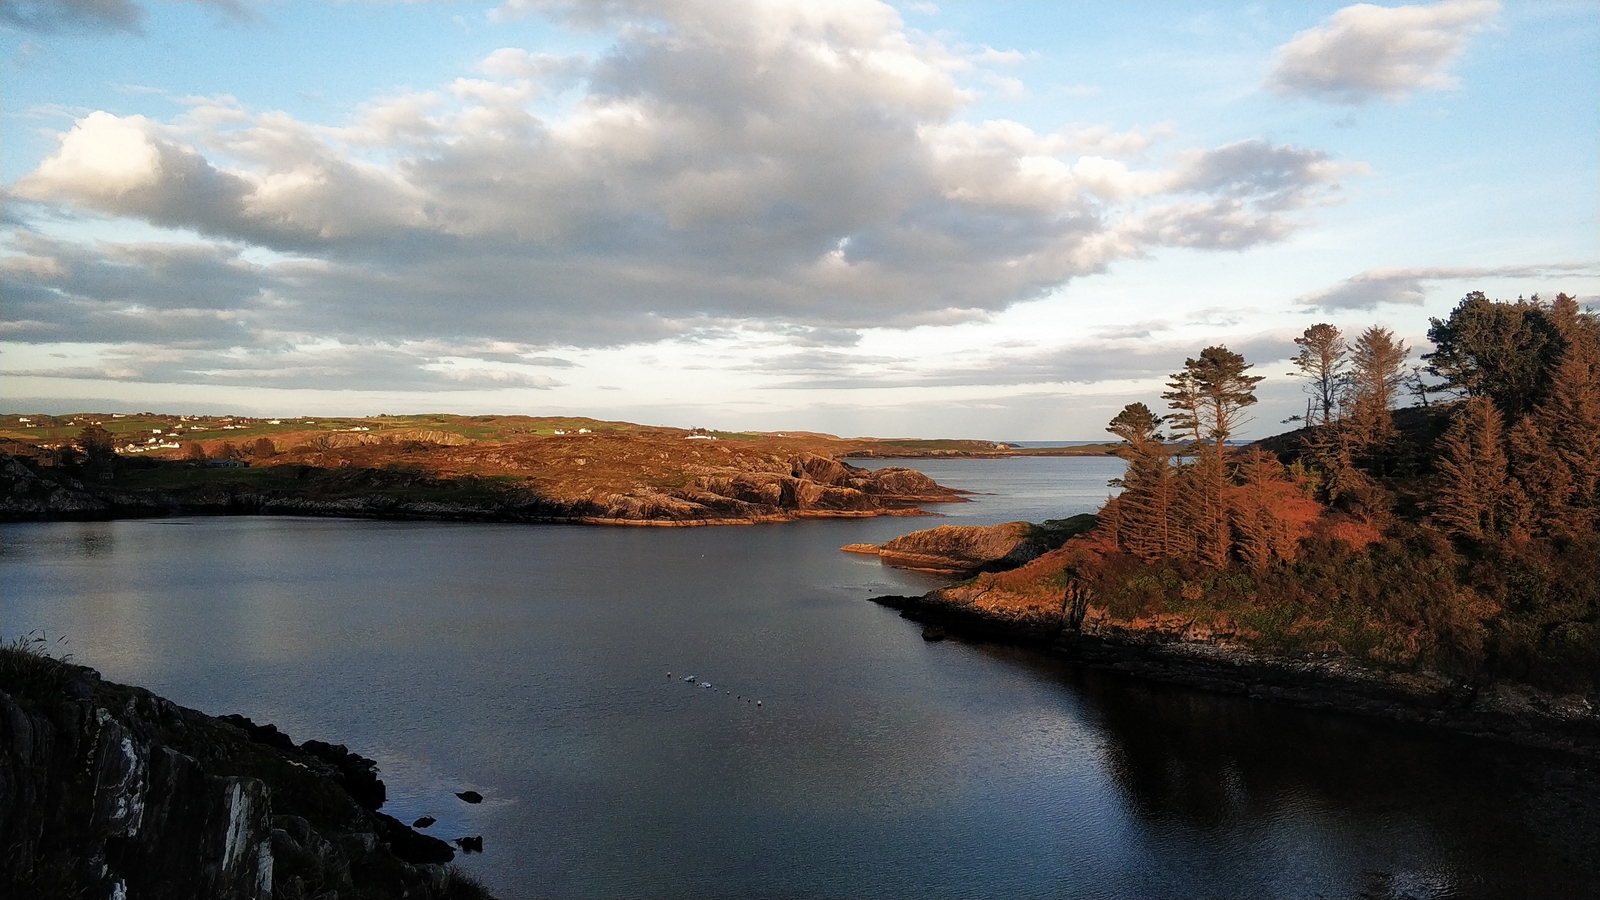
(1364, 51)
(1407, 287)
(803, 166)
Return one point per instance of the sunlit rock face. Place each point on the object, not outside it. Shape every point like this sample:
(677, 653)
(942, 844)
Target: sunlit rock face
(958, 549)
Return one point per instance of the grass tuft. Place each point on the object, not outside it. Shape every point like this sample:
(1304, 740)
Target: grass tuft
(28, 668)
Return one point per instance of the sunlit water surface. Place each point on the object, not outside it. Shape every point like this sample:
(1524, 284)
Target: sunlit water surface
(530, 663)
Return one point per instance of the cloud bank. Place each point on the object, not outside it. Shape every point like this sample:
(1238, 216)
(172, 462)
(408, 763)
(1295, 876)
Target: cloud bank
(804, 166)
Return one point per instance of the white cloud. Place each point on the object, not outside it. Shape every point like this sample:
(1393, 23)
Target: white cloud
(1366, 51)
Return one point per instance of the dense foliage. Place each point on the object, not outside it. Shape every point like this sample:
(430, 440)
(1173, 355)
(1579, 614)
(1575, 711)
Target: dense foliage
(1460, 537)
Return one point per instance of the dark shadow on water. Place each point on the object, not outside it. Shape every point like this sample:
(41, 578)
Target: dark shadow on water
(1506, 819)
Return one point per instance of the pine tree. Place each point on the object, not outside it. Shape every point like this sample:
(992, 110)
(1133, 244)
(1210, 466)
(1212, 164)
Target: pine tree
(1568, 421)
(1224, 390)
(1376, 374)
(1544, 475)
(1211, 394)
(1144, 524)
(1476, 498)
(1253, 523)
(1323, 357)
(1183, 398)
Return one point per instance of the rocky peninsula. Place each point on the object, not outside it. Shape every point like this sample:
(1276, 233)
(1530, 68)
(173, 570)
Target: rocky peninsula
(110, 791)
(607, 480)
(1035, 604)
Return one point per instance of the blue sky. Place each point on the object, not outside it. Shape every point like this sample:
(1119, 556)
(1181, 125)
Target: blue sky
(996, 220)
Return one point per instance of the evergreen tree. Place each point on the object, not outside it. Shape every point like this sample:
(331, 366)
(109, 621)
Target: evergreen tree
(1183, 398)
(1376, 374)
(1211, 394)
(1505, 351)
(1144, 523)
(1322, 359)
(1223, 389)
(1476, 498)
(1253, 523)
(1545, 477)
(1563, 448)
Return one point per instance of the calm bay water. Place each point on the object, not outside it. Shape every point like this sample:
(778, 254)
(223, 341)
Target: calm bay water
(530, 663)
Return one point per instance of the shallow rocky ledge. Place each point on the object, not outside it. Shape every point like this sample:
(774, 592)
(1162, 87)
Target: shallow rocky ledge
(1505, 711)
(109, 791)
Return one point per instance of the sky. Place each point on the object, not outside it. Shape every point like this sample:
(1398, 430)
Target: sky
(977, 220)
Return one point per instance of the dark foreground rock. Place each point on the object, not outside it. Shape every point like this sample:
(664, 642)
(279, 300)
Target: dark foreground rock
(109, 791)
(1172, 652)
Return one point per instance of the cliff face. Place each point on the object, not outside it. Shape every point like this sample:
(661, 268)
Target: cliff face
(110, 791)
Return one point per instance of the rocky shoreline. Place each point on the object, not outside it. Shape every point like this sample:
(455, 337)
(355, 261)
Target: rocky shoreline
(108, 790)
(1167, 652)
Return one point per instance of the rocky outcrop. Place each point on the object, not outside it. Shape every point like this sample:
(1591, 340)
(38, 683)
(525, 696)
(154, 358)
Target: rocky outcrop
(25, 493)
(967, 549)
(957, 549)
(108, 791)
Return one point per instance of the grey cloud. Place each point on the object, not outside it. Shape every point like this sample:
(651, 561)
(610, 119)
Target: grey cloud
(104, 16)
(181, 294)
(1369, 290)
(89, 16)
(1281, 176)
(1363, 52)
(1248, 190)
(805, 336)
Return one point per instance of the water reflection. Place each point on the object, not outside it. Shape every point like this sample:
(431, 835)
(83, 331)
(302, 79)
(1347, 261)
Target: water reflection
(1382, 810)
